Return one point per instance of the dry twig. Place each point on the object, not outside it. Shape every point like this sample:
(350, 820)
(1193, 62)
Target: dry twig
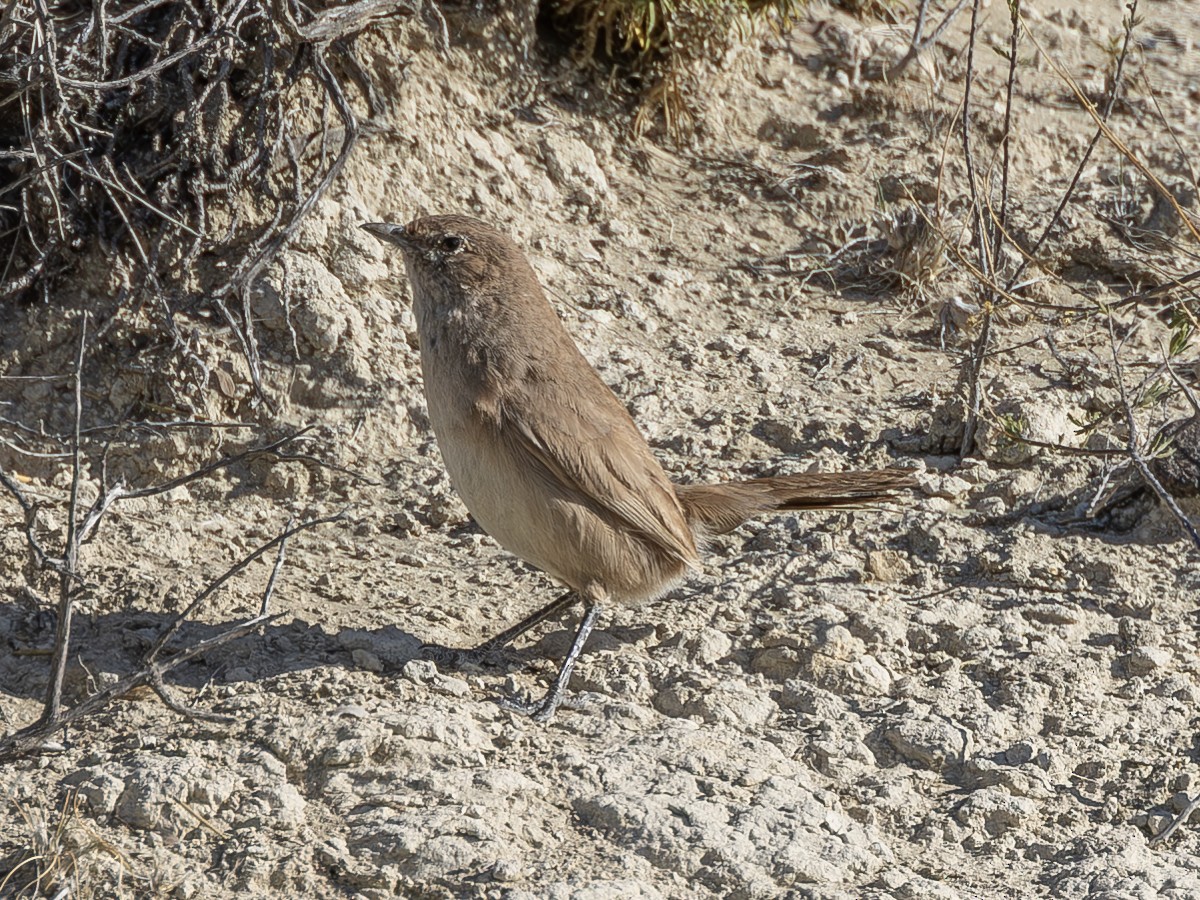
(153, 669)
(1178, 821)
(921, 42)
(81, 524)
(974, 363)
(1134, 444)
(135, 125)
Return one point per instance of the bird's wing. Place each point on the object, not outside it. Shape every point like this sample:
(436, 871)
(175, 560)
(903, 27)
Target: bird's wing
(584, 440)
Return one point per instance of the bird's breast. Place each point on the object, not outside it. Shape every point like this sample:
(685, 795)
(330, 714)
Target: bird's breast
(473, 391)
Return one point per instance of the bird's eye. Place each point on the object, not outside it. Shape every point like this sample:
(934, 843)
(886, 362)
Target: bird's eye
(453, 243)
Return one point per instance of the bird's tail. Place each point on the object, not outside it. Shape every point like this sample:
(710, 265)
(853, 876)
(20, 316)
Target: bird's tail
(720, 508)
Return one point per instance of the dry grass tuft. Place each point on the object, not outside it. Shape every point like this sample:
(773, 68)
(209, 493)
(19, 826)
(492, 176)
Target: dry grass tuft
(62, 857)
(665, 42)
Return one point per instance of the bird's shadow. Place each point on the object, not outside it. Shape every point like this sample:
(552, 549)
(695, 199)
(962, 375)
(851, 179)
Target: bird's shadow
(114, 645)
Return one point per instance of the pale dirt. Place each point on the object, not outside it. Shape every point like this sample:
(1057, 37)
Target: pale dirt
(962, 695)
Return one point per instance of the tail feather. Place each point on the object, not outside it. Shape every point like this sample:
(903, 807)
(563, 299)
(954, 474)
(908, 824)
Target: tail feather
(720, 508)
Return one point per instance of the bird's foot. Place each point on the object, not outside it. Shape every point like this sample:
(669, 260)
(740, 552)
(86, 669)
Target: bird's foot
(538, 710)
(542, 709)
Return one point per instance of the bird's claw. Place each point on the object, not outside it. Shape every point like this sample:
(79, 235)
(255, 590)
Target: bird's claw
(538, 710)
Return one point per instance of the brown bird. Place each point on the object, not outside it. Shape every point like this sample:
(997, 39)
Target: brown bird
(542, 452)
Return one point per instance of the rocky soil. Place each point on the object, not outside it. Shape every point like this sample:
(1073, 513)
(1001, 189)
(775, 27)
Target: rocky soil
(977, 692)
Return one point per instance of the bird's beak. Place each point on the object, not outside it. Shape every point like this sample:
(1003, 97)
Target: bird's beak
(390, 234)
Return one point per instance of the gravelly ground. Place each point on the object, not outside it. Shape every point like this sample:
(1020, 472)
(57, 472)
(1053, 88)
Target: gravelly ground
(964, 695)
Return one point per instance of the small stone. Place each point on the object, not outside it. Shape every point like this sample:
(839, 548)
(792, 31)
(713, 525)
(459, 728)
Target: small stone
(995, 811)
(887, 566)
(445, 509)
(448, 684)
(1138, 632)
(707, 646)
(1180, 801)
(892, 880)
(348, 753)
(1144, 660)
(1041, 852)
(101, 792)
(367, 660)
(667, 277)
(732, 702)
(419, 671)
(991, 506)
(1051, 613)
(974, 471)
(838, 642)
(925, 744)
(1019, 753)
(870, 675)
(332, 851)
(777, 663)
(285, 804)
(573, 166)
(1157, 823)
(507, 870)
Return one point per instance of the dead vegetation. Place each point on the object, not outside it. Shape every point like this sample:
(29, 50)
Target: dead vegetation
(984, 257)
(1126, 420)
(61, 565)
(664, 44)
(63, 856)
(154, 141)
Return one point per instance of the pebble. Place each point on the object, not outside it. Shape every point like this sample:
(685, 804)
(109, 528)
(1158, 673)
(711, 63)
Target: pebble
(1144, 660)
(367, 660)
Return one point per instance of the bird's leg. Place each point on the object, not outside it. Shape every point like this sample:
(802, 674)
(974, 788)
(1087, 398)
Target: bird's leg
(504, 638)
(542, 711)
(451, 656)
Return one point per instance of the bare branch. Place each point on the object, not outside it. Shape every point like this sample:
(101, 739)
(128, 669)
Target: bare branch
(1188, 810)
(70, 562)
(153, 668)
(222, 463)
(35, 736)
(974, 365)
(171, 630)
(167, 696)
(1134, 445)
(279, 557)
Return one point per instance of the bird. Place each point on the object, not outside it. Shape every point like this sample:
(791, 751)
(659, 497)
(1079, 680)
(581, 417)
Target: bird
(544, 455)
